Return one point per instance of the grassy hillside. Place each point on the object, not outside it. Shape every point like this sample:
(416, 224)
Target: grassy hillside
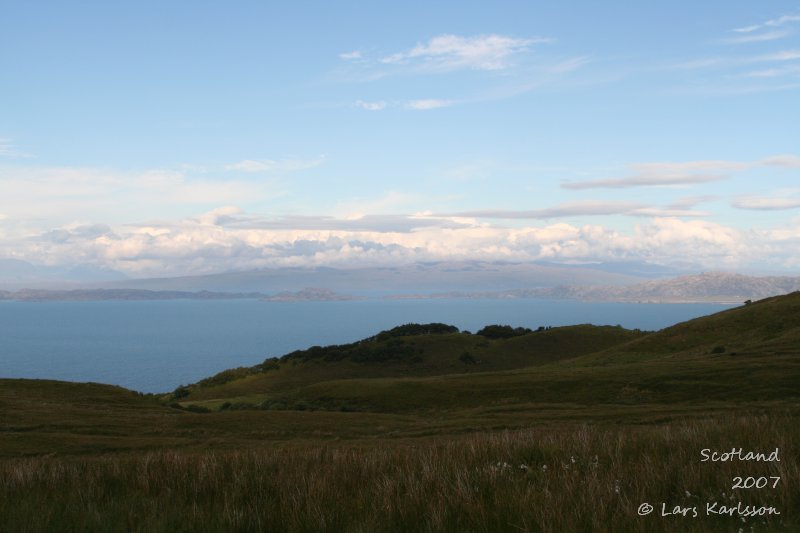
(408, 351)
(765, 327)
(745, 354)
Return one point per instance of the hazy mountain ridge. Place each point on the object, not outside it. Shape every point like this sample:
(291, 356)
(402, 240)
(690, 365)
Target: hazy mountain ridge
(120, 294)
(417, 277)
(717, 287)
(308, 294)
(710, 286)
(434, 280)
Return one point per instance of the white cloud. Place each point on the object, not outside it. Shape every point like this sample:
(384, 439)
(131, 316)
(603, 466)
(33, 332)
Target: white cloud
(349, 56)
(709, 62)
(563, 210)
(766, 204)
(221, 215)
(747, 29)
(698, 63)
(790, 161)
(783, 55)
(584, 208)
(426, 104)
(684, 173)
(228, 239)
(371, 106)
(685, 202)
(667, 212)
(448, 52)
(643, 180)
(693, 238)
(773, 23)
(281, 165)
(690, 166)
(758, 37)
(773, 72)
(785, 19)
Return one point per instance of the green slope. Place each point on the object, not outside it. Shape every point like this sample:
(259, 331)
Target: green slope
(766, 327)
(746, 354)
(404, 352)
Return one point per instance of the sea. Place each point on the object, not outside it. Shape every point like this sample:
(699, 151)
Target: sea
(155, 346)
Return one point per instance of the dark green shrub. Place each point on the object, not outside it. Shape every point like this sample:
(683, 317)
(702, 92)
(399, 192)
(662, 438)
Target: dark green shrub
(180, 392)
(406, 330)
(502, 332)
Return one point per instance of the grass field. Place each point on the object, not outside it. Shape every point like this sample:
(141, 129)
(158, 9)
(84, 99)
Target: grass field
(567, 478)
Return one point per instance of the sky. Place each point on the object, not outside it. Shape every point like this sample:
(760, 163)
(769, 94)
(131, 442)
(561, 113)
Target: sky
(174, 138)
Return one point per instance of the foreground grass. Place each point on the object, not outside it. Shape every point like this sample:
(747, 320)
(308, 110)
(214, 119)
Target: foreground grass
(569, 478)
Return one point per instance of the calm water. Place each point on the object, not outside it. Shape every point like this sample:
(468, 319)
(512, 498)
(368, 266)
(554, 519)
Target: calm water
(156, 346)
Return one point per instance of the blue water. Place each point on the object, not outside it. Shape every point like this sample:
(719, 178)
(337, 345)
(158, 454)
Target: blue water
(156, 346)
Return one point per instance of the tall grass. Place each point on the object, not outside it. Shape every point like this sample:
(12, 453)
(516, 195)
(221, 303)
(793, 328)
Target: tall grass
(576, 478)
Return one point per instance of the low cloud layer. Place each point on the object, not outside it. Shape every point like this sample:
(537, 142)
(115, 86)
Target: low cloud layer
(228, 239)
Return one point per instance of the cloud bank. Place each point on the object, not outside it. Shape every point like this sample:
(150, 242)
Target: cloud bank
(229, 239)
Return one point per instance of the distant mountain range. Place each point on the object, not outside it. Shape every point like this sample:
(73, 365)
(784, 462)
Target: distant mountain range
(616, 282)
(376, 281)
(717, 287)
(120, 294)
(711, 286)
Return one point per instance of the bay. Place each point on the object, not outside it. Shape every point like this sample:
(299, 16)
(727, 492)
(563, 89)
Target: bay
(154, 346)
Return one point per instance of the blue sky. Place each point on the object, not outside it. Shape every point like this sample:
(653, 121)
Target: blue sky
(167, 138)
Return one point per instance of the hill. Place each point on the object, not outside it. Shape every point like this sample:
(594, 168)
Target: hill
(768, 327)
(412, 350)
(749, 353)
